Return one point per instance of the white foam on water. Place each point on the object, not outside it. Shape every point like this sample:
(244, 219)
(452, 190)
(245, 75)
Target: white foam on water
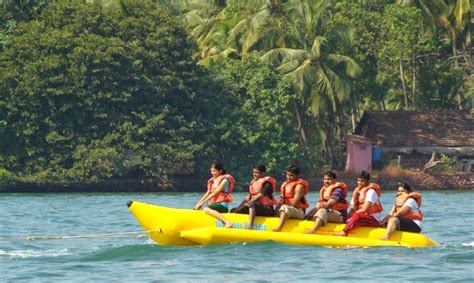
(33, 253)
(471, 244)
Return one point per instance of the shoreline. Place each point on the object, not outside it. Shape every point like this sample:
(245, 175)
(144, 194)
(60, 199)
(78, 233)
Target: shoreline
(387, 179)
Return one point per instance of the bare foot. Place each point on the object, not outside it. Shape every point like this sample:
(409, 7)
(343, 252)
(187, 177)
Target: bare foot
(228, 225)
(250, 227)
(341, 233)
(276, 229)
(384, 238)
(310, 231)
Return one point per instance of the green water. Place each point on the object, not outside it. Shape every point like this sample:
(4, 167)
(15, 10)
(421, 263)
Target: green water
(448, 220)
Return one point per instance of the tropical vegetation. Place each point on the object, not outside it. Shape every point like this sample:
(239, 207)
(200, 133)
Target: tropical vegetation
(92, 90)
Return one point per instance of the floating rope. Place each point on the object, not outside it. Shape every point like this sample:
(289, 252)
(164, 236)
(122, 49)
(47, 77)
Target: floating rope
(83, 236)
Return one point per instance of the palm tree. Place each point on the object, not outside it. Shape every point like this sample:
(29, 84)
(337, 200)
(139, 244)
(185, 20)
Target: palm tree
(453, 16)
(293, 38)
(321, 76)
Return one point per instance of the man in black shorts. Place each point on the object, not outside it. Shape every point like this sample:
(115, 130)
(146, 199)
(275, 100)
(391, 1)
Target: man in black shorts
(260, 200)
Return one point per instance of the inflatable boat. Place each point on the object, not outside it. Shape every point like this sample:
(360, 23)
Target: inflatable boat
(186, 227)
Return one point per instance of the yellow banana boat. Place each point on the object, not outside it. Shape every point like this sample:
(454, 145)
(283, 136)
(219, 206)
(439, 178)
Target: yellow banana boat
(185, 227)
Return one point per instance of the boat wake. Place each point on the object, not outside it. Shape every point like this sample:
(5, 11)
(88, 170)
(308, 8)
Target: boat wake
(471, 244)
(15, 254)
(129, 252)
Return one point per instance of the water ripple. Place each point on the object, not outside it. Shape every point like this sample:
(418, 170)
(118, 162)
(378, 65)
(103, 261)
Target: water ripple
(140, 260)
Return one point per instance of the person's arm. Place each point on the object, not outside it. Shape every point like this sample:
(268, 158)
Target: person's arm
(298, 195)
(201, 202)
(219, 189)
(336, 195)
(370, 198)
(365, 207)
(350, 210)
(404, 210)
(410, 204)
(248, 197)
(392, 211)
(390, 214)
(255, 199)
(281, 201)
(214, 193)
(266, 191)
(329, 204)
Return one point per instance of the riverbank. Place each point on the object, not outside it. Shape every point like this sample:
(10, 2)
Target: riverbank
(116, 185)
(386, 178)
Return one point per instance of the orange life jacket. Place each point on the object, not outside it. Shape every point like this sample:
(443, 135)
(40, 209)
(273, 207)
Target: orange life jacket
(287, 191)
(326, 192)
(222, 196)
(400, 201)
(359, 198)
(256, 187)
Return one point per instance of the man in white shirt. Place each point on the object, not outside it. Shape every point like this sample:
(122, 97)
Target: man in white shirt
(365, 206)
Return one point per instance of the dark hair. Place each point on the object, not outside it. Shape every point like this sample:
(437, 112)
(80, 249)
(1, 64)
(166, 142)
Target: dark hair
(260, 167)
(218, 166)
(405, 186)
(293, 169)
(364, 175)
(331, 174)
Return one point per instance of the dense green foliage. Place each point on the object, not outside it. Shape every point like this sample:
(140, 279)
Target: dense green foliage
(5, 177)
(90, 94)
(254, 121)
(98, 89)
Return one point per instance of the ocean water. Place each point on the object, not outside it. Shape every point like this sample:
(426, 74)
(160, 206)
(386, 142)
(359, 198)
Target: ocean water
(448, 220)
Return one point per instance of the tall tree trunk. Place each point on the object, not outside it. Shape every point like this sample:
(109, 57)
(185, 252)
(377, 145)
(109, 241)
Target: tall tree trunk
(330, 140)
(384, 107)
(353, 113)
(301, 131)
(468, 43)
(404, 86)
(341, 141)
(330, 143)
(456, 64)
(454, 49)
(413, 93)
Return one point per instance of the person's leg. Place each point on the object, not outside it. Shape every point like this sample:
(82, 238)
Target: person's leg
(263, 210)
(311, 213)
(241, 209)
(317, 223)
(320, 219)
(258, 209)
(408, 225)
(295, 213)
(251, 217)
(216, 214)
(357, 220)
(392, 225)
(335, 216)
(323, 216)
(283, 217)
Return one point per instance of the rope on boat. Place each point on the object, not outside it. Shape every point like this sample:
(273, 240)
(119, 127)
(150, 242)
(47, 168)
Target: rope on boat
(83, 236)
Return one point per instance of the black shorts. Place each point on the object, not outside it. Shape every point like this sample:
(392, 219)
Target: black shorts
(218, 207)
(260, 209)
(408, 225)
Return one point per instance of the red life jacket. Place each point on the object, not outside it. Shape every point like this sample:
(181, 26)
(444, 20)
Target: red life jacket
(400, 201)
(222, 196)
(359, 198)
(287, 191)
(326, 192)
(256, 187)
